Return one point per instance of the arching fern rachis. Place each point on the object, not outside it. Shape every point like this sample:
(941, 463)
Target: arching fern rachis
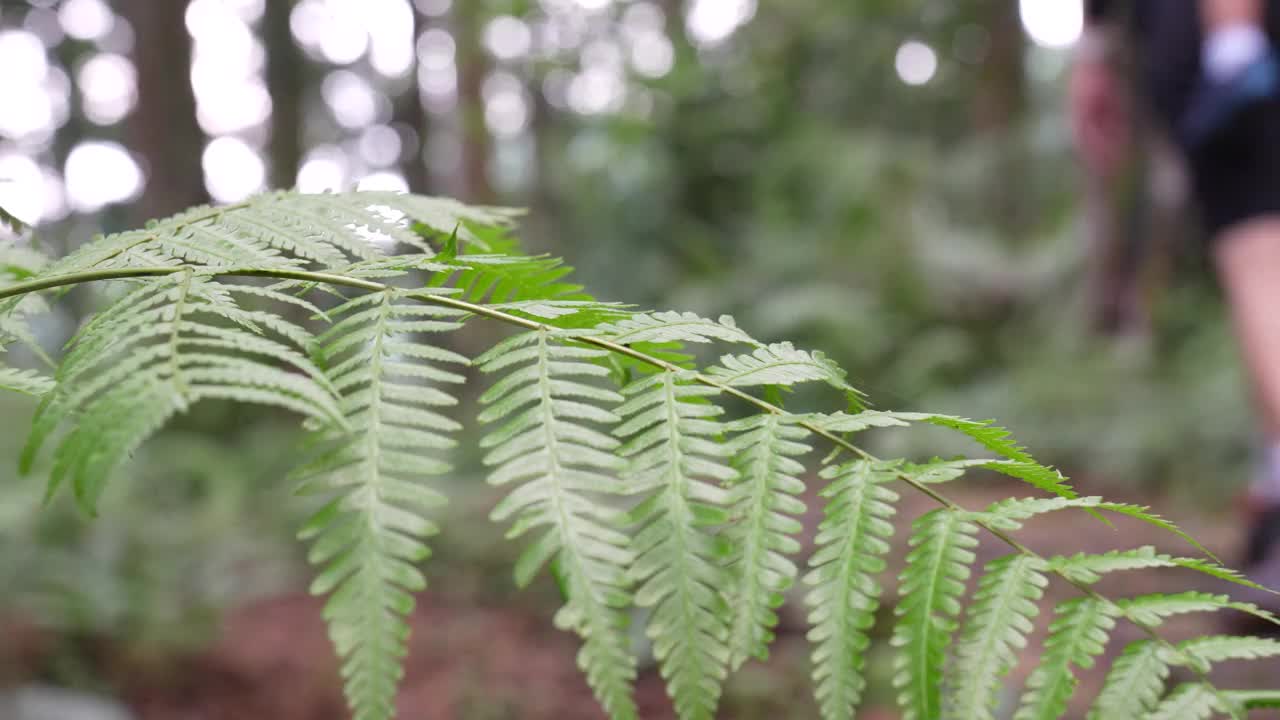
(618, 464)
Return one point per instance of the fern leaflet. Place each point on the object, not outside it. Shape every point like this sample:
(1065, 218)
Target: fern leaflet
(1135, 683)
(368, 536)
(763, 502)
(999, 619)
(158, 350)
(28, 382)
(1077, 634)
(676, 461)
(550, 444)
(1189, 701)
(929, 590)
(851, 543)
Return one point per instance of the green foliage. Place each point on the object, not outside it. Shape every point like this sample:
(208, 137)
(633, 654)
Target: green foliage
(551, 443)
(852, 540)
(929, 601)
(999, 618)
(610, 445)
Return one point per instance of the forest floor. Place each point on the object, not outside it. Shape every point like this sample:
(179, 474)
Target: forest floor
(475, 659)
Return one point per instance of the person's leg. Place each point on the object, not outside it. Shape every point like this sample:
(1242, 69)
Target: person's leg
(1247, 256)
(1217, 14)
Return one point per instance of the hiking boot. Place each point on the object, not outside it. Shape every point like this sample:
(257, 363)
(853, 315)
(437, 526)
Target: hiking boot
(1261, 565)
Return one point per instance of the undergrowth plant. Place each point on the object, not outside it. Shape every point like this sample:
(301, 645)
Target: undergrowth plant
(638, 476)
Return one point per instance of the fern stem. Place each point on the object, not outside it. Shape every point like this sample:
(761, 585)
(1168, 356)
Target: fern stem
(510, 319)
(179, 308)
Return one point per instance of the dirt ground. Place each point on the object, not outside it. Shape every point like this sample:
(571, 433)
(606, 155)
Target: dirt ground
(473, 660)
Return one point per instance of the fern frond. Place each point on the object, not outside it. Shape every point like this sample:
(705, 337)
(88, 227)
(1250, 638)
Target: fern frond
(1189, 701)
(494, 279)
(1013, 461)
(1089, 568)
(1077, 635)
(937, 471)
(551, 444)
(1144, 514)
(1036, 475)
(369, 536)
(662, 327)
(1253, 699)
(28, 382)
(929, 603)
(1012, 513)
(987, 434)
(154, 353)
(996, 628)
(840, 422)
(1151, 610)
(1202, 652)
(677, 463)
(473, 224)
(779, 364)
(851, 543)
(1135, 683)
(19, 262)
(281, 230)
(762, 524)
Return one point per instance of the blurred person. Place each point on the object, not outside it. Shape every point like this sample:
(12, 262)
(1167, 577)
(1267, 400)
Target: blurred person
(1207, 71)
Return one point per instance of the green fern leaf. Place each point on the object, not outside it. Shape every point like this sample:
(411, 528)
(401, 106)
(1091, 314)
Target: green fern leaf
(1202, 652)
(779, 364)
(19, 262)
(478, 226)
(28, 382)
(840, 422)
(1077, 635)
(1033, 473)
(937, 471)
(929, 602)
(844, 593)
(999, 619)
(662, 327)
(1189, 701)
(495, 279)
(987, 434)
(1216, 570)
(1253, 699)
(1012, 513)
(762, 526)
(1135, 683)
(1089, 568)
(368, 538)
(1151, 610)
(550, 444)
(283, 230)
(153, 354)
(677, 463)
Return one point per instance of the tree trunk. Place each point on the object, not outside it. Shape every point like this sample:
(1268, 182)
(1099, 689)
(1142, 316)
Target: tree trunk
(163, 129)
(1000, 103)
(472, 65)
(410, 113)
(285, 79)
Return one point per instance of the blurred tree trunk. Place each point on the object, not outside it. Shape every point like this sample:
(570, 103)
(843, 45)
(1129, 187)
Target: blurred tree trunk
(1001, 96)
(285, 79)
(1000, 104)
(473, 66)
(410, 113)
(163, 128)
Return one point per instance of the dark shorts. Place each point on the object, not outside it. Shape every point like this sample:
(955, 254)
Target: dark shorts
(1236, 177)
